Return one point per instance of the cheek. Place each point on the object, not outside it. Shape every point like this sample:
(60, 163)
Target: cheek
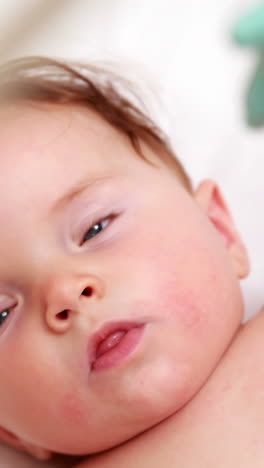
(71, 407)
(182, 308)
(192, 290)
(173, 291)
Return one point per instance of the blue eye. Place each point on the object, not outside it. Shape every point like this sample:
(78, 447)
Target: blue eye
(96, 229)
(4, 315)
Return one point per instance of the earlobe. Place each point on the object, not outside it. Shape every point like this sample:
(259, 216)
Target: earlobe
(211, 201)
(11, 439)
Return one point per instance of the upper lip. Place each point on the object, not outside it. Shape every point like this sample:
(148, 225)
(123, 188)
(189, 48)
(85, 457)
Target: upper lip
(105, 330)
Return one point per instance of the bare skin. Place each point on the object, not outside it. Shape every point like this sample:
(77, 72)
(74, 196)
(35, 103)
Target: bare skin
(158, 258)
(222, 426)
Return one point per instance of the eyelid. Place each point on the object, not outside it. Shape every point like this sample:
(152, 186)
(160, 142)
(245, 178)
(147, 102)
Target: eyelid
(8, 303)
(86, 223)
(111, 216)
(6, 322)
(100, 182)
(86, 216)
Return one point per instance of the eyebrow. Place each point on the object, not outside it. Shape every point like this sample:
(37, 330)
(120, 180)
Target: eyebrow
(78, 188)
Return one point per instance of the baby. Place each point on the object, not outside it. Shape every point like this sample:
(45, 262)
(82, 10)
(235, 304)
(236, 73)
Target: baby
(120, 304)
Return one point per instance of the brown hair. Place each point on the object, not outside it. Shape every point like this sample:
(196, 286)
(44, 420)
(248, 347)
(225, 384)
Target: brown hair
(44, 79)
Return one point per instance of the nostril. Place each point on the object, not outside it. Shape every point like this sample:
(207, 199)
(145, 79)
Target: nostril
(63, 315)
(87, 291)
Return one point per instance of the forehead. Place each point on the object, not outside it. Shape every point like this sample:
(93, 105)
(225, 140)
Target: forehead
(44, 147)
(41, 135)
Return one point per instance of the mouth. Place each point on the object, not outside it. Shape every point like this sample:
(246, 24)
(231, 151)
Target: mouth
(113, 343)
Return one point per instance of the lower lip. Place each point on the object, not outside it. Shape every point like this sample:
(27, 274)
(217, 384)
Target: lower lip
(120, 352)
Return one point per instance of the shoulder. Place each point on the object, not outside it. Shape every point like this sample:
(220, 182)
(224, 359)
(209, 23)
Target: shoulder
(255, 323)
(248, 350)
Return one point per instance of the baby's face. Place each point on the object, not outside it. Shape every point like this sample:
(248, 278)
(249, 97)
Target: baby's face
(118, 294)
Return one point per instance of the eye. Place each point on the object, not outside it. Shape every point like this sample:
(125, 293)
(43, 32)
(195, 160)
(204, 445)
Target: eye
(97, 228)
(3, 315)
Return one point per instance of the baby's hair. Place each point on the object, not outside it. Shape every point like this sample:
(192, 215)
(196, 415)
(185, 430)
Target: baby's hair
(42, 79)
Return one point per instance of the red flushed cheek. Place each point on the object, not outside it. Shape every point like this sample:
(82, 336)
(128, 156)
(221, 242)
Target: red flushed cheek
(173, 290)
(170, 298)
(189, 314)
(71, 408)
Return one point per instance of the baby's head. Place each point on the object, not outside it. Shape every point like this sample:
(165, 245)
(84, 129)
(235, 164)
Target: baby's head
(119, 285)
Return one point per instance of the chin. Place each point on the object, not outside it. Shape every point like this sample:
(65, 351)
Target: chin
(157, 399)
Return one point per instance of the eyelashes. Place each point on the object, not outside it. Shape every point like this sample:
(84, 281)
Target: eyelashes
(3, 315)
(97, 227)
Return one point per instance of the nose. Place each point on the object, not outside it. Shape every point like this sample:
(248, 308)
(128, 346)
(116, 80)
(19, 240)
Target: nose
(67, 296)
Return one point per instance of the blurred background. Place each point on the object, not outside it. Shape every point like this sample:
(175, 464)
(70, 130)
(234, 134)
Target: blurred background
(183, 53)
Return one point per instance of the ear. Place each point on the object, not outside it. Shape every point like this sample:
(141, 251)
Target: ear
(210, 199)
(11, 439)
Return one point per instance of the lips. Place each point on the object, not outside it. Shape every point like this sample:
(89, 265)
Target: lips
(113, 342)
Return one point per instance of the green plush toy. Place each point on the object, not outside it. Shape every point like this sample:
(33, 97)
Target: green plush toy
(249, 31)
